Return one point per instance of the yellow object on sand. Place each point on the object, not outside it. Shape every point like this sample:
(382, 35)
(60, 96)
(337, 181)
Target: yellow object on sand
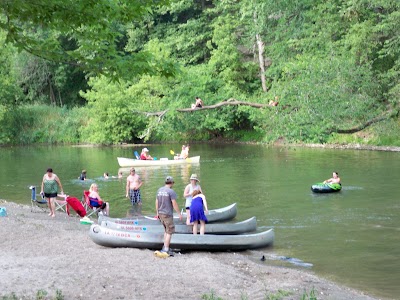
(161, 254)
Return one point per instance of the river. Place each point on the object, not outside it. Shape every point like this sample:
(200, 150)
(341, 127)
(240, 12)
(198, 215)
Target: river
(351, 237)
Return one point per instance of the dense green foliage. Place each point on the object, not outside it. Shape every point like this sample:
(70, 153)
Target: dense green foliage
(333, 66)
(86, 34)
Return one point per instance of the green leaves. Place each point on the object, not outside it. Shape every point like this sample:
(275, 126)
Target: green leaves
(38, 26)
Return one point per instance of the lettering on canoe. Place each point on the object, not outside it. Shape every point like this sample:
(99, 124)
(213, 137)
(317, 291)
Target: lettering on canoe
(121, 234)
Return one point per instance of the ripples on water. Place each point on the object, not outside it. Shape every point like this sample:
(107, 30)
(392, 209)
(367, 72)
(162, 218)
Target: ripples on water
(281, 260)
(351, 236)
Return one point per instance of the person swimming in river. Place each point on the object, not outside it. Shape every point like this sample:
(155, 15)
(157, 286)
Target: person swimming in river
(83, 175)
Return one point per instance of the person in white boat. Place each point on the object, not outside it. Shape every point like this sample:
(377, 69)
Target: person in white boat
(145, 154)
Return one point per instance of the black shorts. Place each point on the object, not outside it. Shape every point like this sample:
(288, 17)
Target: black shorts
(52, 195)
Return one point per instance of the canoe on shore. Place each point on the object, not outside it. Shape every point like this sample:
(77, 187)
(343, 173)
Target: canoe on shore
(214, 215)
(326, 187)
(208, 242)
(248, 225)
(131, 162)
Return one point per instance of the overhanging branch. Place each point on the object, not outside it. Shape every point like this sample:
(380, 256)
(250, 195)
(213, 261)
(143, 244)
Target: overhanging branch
(231, 102)
(387, 115)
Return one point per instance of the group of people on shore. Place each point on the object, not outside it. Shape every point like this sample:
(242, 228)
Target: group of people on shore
(165, 203)
(51, 187)
(166, 200)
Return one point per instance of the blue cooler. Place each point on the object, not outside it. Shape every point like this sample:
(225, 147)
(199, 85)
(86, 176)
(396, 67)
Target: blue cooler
(3, 212)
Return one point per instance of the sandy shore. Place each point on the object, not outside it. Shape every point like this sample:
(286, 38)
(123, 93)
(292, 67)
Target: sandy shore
(41, 253)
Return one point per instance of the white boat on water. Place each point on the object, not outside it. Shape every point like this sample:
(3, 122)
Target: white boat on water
(131, 162)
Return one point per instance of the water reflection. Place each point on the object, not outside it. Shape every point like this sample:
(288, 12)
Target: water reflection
(134, 211)
(351, 236)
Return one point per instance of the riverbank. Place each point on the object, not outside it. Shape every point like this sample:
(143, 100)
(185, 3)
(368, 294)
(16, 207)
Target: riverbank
(352, 146)
(40, 253)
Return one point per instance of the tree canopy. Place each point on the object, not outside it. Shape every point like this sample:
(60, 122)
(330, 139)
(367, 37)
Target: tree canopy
(333, 66)
(87, 34)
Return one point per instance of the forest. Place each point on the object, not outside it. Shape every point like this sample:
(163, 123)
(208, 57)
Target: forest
(128, 71)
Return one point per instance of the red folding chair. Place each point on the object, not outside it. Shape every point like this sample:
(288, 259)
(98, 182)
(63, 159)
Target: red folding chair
(76, 205)
(88, 207)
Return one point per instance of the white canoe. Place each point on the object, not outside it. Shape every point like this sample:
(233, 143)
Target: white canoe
(214, 215)
(131, 162)
(208, 242)
(248, 225)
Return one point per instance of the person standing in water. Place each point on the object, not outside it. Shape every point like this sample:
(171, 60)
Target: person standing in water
(133, 184)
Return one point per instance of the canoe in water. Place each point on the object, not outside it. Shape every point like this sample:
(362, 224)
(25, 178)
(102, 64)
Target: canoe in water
(212, 228)
(214, 215)
(326, 187)
(131, 162)
(208, 242)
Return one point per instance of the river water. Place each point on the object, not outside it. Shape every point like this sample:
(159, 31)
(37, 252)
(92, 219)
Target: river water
(351, 237)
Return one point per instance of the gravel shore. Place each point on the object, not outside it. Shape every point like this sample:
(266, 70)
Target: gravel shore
(56, 254)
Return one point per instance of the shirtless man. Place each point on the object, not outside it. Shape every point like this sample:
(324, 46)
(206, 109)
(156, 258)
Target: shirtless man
(199, 102)
(335, 178)
(133, 184)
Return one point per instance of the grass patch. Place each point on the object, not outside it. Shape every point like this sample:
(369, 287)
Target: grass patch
(40, 295)
(310, 296)
(211, 296)
(278, 295)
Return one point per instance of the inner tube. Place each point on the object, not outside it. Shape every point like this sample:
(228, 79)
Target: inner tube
(326, 187)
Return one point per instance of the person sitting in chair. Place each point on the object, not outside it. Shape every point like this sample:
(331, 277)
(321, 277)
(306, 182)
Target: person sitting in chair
(96, 201)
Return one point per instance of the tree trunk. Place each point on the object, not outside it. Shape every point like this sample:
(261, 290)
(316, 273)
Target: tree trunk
(260, 46)
(51, 93)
